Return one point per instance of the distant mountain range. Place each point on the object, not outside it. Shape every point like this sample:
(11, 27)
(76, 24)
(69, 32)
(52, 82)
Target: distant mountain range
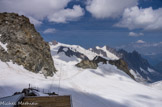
(150, 51)
(153, 58)
(159, 67)
(134, 60)
(138, 66)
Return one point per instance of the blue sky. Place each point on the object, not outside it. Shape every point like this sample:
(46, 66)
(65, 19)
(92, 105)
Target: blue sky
(89, 31)
(129, 24)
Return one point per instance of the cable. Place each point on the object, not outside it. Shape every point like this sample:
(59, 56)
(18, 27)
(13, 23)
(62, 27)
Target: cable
(59, 80)
(52, 83)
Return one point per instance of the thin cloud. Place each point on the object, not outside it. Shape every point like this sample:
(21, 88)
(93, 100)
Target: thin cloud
(49, 30)
(140, 41)
(133, 34)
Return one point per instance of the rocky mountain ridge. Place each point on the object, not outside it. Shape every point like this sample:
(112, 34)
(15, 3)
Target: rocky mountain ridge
(134, 61)
(23, 45)
(87, 63)
(159, 67)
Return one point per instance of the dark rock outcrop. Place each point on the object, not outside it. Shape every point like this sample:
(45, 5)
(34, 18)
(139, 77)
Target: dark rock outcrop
(92, 64)
(103, 53)
(24, 44)
(87, 64)
(99, 59)
(122, 65)
(98, 51)
(136, 62)
(69, 52)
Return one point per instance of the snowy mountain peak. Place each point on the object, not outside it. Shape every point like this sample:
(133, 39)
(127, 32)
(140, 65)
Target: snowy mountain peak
(72, 52)
(104, 51)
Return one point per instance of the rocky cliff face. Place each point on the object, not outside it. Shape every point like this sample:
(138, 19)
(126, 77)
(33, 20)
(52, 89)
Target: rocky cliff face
(87, 64)
(92, 64)
(122, 65)
(22, 44)
(136, 62)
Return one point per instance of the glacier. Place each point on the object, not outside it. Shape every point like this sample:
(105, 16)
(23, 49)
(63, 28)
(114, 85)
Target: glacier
(105, 86)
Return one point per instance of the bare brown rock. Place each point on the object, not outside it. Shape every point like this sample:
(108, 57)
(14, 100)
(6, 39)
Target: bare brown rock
(24, 46)
(122, 65)
(87, 64)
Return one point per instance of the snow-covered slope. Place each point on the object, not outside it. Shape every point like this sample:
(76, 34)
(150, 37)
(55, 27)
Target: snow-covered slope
(108, 53)
(105, 86)
(157, 85)
(103, 51)
(80, 49)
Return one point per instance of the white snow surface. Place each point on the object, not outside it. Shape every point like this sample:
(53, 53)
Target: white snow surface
(80, 49)
(137, 76)
(144, 71)
(158, 85)
(133, 73)
(109, 54)
(106, 86)
(4, 46)
(151, 70)
(65, 49)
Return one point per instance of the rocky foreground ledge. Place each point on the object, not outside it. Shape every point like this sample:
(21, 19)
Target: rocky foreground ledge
(23, 45)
